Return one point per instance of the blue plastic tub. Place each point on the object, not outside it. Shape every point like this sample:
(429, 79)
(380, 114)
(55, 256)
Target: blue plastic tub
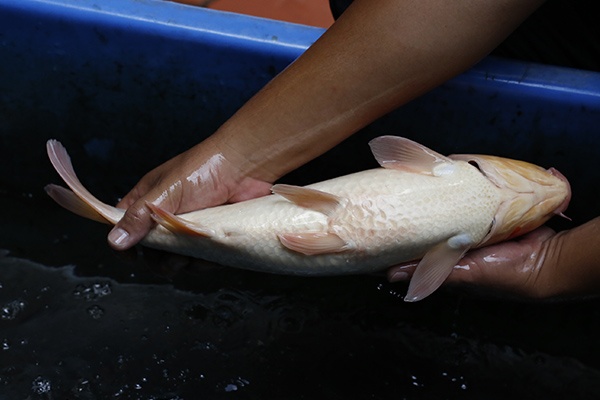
(127, 84)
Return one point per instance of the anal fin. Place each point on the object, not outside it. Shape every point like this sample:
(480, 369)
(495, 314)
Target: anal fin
(313, 243)
(177, 224)
(436, 265)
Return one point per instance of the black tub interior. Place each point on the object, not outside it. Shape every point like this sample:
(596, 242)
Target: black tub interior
(78, 321)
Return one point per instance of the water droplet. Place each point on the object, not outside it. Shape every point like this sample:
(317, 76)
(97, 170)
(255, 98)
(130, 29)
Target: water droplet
(205, 346)
(415, 382)
(95, 311)
(92, 292)
(11, 310)
(120, 391)
(236, 385)
(41, 385)
(81, 387)
(231, 388)
(5, 345)
(158, 359)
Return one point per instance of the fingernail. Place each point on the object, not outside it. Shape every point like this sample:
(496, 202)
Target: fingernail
(399, 276)
(119, 237)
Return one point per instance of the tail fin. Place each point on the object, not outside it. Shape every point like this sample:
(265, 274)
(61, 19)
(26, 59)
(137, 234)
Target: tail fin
(79, 201)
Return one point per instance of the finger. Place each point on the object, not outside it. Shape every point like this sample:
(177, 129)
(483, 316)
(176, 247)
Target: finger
(134, 195)
(401, 272)
(249, 189)
(135, 224)
(128, 200)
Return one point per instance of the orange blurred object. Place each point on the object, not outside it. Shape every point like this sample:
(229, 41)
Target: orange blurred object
(307, 12)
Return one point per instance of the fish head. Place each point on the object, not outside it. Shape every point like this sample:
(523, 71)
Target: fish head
(530, 194)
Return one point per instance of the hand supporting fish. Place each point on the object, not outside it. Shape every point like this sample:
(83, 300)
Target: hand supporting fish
(420, 205)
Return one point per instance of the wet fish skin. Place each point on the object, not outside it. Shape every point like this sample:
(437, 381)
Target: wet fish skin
(420, 205)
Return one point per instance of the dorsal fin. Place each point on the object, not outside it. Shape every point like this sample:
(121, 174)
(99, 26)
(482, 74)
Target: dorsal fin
(395, 152)
(308, 198)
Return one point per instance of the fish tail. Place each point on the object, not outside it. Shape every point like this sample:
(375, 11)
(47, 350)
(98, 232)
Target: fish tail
(79, 201)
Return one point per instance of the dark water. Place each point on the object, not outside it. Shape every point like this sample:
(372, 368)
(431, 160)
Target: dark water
(78, 321)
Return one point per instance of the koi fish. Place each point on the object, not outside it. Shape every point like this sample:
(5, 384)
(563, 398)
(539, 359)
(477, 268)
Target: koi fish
(418, 205)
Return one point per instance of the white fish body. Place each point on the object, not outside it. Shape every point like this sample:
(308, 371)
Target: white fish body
(420, 205)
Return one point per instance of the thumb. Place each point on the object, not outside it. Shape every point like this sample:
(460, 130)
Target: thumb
(137, 220)
(132, 228)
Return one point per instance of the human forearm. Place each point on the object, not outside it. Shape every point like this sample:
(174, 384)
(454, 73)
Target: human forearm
(376, 57)
(573, 261)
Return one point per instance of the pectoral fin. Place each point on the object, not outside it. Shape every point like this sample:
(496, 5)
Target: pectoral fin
(396, 152)
(312, 243)
(308, 198)
(436, 265)
(177, 224)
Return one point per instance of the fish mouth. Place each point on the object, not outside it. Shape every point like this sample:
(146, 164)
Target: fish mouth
(565, 204)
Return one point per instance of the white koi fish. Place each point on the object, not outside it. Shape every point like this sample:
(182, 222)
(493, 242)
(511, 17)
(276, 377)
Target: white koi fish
(420, 205)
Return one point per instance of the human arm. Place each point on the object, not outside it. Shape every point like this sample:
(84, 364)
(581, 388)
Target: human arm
(376, 57)
(540, 265)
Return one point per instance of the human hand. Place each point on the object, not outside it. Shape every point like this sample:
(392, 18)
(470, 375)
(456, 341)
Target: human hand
(198, 178)
(540, 265)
